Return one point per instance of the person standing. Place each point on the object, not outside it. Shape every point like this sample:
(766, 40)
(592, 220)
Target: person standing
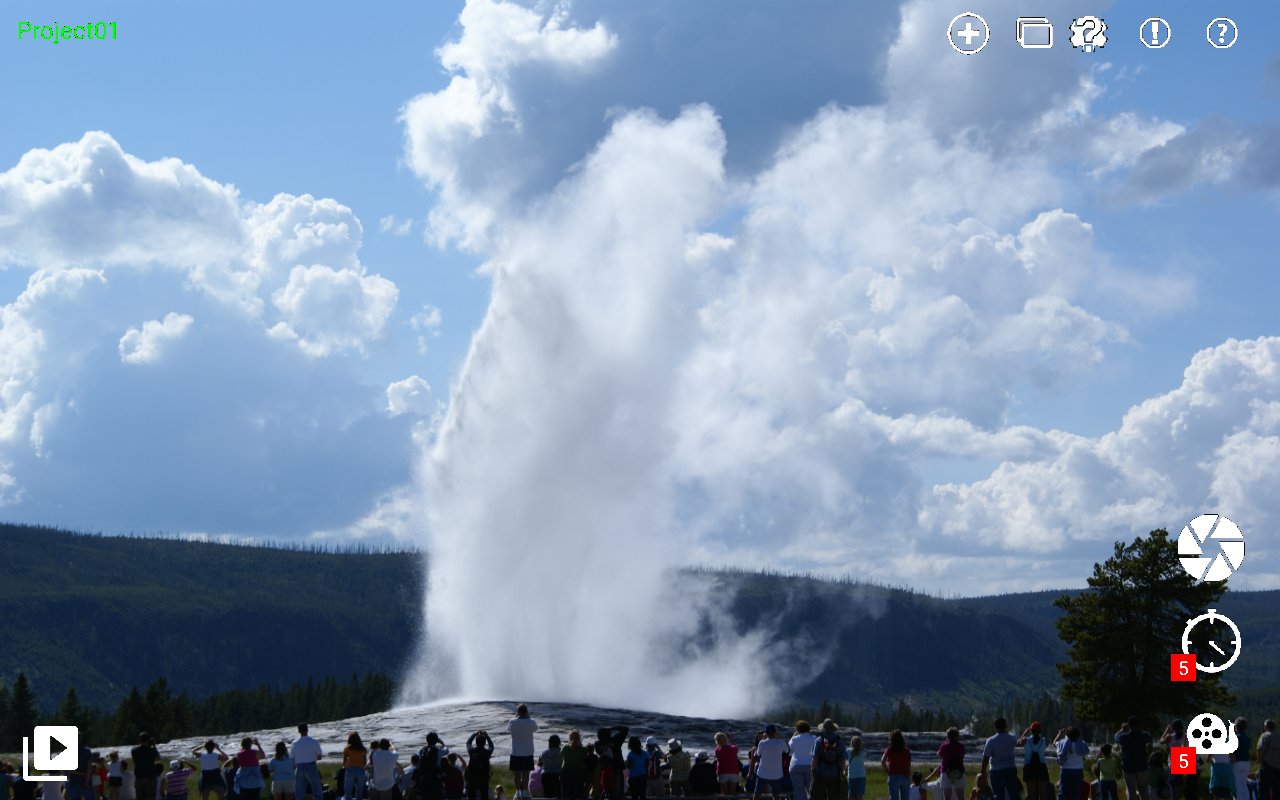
(573, 765)
(637, 768)
(703, 781)
(1035, 766)
(680, 763)
(1134, 743)
(430, 772)
(653, 767)
(522, 729)
(175, 782)
(80, 780)
(1071, 752)
(769, 752)
(856, 756)
(282, 780)
(802, 760)
(355, 757)
(128, 782)
(552, 765)
(896, 761)
(249, 783)
(479, 751)
(1175, 735)
(728, 768)
(1244, 751)
(211, 769)
(999, 757)
(1269, 762)
(384, 768)
(146, 766)
(951, 755)
(306, 753)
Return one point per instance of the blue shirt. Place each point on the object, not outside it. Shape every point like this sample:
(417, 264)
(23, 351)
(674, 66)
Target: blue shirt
(637, 764)
(1000, 749)
(1034, 747)
(281, 769)
(857, 763)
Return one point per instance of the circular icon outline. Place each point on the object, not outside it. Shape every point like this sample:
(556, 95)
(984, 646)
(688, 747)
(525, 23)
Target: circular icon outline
(1147, 22)
(1213, 616)
(1197, 533)
(1208, 33)
(952, 24)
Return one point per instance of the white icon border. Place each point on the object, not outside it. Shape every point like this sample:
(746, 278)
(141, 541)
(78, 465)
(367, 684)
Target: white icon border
(1212, 616)
(952, 24)
(1167, 39)
(1043, 20)
(1208, 33)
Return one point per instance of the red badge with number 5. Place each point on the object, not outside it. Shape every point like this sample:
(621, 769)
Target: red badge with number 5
(1182, 761)
(1182, 668)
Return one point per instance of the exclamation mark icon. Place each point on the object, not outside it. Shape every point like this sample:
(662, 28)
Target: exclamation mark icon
(1155, 32)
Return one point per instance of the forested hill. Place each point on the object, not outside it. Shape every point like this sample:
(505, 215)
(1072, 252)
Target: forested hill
(102, 614)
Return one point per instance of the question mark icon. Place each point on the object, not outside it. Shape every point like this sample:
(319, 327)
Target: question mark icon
(1222, 33)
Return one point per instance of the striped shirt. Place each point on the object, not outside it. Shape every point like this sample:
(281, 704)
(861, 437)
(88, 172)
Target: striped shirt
(177, 781)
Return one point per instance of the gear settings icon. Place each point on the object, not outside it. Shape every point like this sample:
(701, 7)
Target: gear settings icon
(1088, 34)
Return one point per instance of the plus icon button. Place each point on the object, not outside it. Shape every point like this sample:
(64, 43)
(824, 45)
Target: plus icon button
(974, 33)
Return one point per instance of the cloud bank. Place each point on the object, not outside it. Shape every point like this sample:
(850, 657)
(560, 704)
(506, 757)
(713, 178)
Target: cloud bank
(651, 387)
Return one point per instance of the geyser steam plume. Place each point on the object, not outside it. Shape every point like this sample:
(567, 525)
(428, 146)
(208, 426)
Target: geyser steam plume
(548, 498)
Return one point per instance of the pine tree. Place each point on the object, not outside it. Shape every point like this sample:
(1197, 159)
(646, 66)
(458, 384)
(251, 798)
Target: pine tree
(129, 719)
(1122, 631)
(5, 727)
(22, 710)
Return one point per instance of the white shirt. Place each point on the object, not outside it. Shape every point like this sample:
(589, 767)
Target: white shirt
(306, 751)
(127, 791)
(802, 749)
(521, 730)
(208, 762)
(770, 752)
(383, 765)
(113, 769)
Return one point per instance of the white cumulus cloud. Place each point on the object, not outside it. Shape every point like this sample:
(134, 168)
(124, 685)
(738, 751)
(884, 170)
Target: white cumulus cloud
(327, 309)
(146, 346)
(411, 396)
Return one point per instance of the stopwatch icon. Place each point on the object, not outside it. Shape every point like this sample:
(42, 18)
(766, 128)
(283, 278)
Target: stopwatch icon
(1223, 639)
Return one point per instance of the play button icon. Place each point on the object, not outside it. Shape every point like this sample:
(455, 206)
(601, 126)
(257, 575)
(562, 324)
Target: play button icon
(66, 738)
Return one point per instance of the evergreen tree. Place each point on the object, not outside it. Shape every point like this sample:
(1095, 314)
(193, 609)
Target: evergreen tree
(5, 728)
(825, 711)
(23, 716)
(1122, 631)
(129, 719)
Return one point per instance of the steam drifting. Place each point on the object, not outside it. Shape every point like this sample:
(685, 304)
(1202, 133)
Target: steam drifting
(549, 501)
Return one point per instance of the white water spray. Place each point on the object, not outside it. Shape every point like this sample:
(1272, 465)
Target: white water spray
(549, 501)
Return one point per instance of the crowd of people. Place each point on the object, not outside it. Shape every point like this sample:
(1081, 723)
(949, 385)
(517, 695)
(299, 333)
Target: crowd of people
(807, 765)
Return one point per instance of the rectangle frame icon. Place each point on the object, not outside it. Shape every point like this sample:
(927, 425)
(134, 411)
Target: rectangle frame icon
(1035, 33)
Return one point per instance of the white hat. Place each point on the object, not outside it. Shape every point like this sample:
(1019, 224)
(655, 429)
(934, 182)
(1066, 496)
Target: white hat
(173, 765)
(652, 741)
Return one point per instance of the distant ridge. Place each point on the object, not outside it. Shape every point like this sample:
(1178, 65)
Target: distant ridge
(103, 613)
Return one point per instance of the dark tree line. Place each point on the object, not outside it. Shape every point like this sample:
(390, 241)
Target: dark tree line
(1048, 710)
(168, 716)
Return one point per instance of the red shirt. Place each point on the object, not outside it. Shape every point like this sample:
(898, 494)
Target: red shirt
(727, 760)
(899, 763)
(247, 758)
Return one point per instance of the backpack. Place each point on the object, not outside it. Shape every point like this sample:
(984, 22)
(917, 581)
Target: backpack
(429, 759)
(830, 750)
(1035, 756)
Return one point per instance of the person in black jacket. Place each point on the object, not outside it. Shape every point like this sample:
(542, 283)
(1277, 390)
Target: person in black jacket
(618, 741)
(702, 777)
(146, 767)
(429, 773)
(480, 751)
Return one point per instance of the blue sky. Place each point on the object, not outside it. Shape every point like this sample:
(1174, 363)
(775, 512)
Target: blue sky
(194, 358)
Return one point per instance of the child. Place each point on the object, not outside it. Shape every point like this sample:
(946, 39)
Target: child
(113, 775)
(454, 784)
(500, 792)
(857, 778)
(1108, 770)
(981, 787)
(727, 768)
(591, 767)
(918, 792)
(552, 766)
